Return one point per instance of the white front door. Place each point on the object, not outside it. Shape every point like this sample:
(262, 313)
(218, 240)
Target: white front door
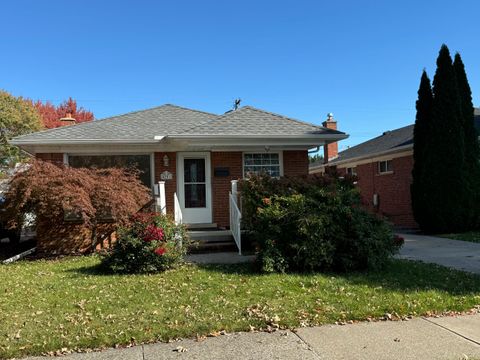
(194, 187)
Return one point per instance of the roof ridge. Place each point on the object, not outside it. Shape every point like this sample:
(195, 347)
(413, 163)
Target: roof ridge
(210, 121)
(284, 117)
(185, 108)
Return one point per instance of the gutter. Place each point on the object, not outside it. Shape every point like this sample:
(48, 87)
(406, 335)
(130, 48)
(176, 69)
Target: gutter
(333, 137)
(158, 138)
(86, 141)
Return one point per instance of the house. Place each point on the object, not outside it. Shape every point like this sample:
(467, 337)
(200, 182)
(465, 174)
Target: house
(194, 155)
(383, 166)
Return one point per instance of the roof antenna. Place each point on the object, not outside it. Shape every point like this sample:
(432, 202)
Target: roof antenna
(236, 103)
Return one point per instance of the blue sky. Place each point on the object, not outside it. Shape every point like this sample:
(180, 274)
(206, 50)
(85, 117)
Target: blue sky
(361, 60)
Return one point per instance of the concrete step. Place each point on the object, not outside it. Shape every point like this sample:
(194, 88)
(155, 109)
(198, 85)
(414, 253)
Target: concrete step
(210, 235)
(207, 226)
(212, 247)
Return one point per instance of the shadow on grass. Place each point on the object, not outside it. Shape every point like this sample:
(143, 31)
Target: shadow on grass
(397, 275)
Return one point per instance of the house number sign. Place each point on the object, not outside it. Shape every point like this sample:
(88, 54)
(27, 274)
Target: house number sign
(166, 175)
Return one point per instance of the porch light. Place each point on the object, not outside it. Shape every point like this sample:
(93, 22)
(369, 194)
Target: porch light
(166, 160)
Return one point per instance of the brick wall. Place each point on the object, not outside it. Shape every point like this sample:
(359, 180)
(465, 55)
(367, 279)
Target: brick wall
(393, 190)
(221, 185)
(295, 163)
(170, 185)
(56, 158)
(63, 238)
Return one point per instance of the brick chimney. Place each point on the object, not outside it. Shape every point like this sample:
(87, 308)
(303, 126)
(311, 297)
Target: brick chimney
(68, 120)
(330, 151)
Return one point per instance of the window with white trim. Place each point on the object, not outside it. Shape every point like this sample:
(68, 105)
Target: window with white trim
(261, 163)
(352, 171)
(385, 166)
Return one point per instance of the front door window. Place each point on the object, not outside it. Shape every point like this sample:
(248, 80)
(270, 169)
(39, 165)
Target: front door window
(194, 183)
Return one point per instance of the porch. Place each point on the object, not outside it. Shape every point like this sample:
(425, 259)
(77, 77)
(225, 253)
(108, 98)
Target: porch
(208, 236)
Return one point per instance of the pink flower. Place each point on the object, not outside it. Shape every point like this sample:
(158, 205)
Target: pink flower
(160, 251)
(153, 233)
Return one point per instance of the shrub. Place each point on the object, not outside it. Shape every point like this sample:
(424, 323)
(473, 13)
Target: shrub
(150, 243)
(313, 223)
(60, 195)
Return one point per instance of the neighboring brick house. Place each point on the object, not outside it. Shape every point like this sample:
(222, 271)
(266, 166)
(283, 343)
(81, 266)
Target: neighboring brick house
(383, 166)
(196, 154)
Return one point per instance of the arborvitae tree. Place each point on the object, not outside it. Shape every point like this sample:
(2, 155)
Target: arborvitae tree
(471, 141)
(421, 134)
(444, 171)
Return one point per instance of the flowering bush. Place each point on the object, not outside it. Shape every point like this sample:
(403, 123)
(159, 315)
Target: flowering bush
(152, 242)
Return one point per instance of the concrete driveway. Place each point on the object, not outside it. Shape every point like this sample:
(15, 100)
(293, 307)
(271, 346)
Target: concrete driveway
(460, 255)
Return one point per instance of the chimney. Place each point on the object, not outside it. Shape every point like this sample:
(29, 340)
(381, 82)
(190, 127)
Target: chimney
(330, 151)
(68, 120)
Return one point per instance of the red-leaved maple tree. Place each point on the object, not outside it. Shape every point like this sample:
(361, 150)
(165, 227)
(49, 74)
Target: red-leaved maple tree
(52, 114)
(60, 195)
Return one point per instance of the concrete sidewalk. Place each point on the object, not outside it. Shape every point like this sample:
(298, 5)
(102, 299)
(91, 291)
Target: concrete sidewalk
(460, 255)
(449, 338)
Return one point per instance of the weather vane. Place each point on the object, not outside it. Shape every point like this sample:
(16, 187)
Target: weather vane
(236, 103)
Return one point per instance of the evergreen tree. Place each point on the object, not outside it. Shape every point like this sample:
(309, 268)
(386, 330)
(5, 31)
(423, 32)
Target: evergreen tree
(421, 133)
(445, 189)
(471, 140)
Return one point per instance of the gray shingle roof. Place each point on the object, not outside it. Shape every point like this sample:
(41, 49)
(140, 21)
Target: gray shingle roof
(251, 121)
(389, 140)
(171, 120)
(139, 125)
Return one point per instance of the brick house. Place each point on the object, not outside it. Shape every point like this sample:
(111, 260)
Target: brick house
(193, 155)
(383, 166)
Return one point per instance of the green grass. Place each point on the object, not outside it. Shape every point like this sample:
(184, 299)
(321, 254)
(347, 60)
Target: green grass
(471, 236)
(50, 305)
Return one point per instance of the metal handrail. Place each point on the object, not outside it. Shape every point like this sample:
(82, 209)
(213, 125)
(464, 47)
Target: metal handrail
(235, 222)
(178, 210)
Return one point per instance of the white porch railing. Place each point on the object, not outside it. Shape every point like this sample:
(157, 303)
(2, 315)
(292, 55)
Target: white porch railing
(235, 217)
(160, 200)
(178, 210)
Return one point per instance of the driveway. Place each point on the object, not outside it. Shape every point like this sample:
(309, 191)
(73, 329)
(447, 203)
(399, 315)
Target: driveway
(460, 255)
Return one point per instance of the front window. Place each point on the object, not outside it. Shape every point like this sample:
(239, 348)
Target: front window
(140, 162)
(262, 163)
(352, 171)
(385, 166)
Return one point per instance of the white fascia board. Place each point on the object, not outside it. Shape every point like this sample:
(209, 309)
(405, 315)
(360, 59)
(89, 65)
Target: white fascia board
(324, 137)
(293, 140)
(86, 141)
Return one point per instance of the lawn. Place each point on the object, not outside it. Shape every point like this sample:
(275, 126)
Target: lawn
(50, 305)
(471, 236)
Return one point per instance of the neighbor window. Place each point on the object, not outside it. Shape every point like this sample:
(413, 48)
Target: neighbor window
(352, 171)
(385, 166)
(140, 162)
(256, 164)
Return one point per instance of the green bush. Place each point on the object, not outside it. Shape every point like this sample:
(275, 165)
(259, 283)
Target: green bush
(151, 243)
(313, 223)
